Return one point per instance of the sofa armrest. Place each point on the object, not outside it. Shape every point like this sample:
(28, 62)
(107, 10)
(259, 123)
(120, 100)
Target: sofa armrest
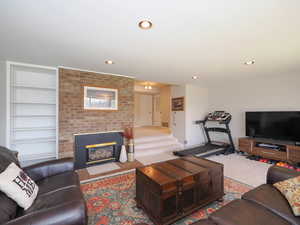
(276, 174)
(49, 168)
(73, 213)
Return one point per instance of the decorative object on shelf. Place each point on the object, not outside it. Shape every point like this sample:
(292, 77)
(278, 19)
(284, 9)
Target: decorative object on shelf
(130, 151)
(97, 98)
(178, 104)
(128, 134)
(123, 156)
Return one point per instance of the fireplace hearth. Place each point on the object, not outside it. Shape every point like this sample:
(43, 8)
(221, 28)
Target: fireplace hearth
(92, 149)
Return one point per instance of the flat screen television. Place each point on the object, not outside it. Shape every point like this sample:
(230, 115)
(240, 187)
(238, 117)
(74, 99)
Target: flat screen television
(283, 126)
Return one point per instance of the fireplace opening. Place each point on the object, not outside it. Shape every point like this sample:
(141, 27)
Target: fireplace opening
(100, 152)
(97, 148)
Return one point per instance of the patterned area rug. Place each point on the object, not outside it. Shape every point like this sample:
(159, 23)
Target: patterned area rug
(111, 201)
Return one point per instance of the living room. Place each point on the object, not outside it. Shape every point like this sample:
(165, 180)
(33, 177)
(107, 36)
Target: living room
(144, 113)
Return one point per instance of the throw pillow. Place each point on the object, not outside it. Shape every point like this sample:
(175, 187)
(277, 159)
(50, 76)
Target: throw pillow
(290, 188)
(18, 186)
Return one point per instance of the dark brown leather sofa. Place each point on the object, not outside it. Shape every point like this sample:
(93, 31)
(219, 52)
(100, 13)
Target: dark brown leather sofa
(59, 201)
(263, 205)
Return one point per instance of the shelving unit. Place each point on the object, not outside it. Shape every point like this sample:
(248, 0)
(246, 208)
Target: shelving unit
(32, 110)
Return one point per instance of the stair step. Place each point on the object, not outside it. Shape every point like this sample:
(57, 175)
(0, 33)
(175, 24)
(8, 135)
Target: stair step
(154, 151)
(153, 139)
(154, 145)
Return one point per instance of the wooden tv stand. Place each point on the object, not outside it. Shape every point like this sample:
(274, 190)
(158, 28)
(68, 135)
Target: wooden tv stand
(288, 151)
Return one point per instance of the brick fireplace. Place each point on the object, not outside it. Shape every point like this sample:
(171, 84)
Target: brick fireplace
(73, 119)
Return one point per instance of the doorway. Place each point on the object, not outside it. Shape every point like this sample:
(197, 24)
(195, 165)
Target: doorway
(143, 109)
(152, 104)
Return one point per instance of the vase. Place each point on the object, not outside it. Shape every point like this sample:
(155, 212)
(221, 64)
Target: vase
(123, 154)
(130, 151)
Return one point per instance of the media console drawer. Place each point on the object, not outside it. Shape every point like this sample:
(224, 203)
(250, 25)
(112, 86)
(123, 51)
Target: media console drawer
(245, 145)
(270, 153)
(294, 153)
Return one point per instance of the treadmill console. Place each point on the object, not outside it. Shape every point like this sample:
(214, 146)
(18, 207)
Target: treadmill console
(218, 116)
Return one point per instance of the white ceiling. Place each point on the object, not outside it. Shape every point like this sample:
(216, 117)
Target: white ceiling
(210, 39)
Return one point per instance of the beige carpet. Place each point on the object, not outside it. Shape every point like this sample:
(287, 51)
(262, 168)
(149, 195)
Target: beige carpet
(147, 131)
(240, 168)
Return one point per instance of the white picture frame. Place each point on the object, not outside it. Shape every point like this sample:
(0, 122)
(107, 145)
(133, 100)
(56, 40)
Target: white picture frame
(99, 98)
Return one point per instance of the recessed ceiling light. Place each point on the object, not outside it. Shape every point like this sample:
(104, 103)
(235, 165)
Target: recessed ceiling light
(251, 62)
(145, 24)
(195, 77)
(109, 62)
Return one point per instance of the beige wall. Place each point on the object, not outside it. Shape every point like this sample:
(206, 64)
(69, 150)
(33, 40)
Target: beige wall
(196, 109)
(165, 104)
(259, 94)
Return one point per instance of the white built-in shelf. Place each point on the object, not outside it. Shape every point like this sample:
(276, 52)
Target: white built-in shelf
(34, 140)
(32, 110)
(34, 116)
(37, 88)
(35, 103)
(34, 128)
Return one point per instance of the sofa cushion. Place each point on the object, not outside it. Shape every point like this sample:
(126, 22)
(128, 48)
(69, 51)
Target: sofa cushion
(290, 189)
(7, 157)
(8, 208)
(55, 199)
(241, 212)
(58, 182)
(269, 197)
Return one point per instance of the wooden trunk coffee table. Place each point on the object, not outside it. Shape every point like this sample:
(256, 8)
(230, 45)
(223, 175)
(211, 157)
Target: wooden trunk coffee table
(173, 189)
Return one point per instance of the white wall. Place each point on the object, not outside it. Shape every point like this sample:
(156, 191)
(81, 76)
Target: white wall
(165, 104)
(2, 103)
(260, 94)
(196, 109)
(178, 118)
(183, 122)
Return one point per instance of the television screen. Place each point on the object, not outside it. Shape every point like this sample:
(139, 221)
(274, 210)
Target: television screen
(274, 125)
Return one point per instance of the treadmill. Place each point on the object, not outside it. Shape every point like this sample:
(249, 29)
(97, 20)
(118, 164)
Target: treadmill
(212, 147)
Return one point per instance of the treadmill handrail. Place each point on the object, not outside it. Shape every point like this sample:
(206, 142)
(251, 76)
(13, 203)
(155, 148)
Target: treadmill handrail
(217, 129)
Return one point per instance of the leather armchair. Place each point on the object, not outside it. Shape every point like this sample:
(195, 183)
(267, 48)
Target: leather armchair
(262, 205)
(59, 201)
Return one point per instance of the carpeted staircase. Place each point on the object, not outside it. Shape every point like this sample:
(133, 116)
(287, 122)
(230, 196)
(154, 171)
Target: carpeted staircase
(153, 145)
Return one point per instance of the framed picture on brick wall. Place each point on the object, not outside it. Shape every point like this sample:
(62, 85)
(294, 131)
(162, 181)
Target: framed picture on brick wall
(98, 98)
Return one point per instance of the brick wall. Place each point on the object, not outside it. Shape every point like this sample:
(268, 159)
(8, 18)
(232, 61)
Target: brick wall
(73, 119)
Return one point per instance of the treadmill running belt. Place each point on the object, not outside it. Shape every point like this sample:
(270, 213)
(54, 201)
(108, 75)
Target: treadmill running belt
(208, 148)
